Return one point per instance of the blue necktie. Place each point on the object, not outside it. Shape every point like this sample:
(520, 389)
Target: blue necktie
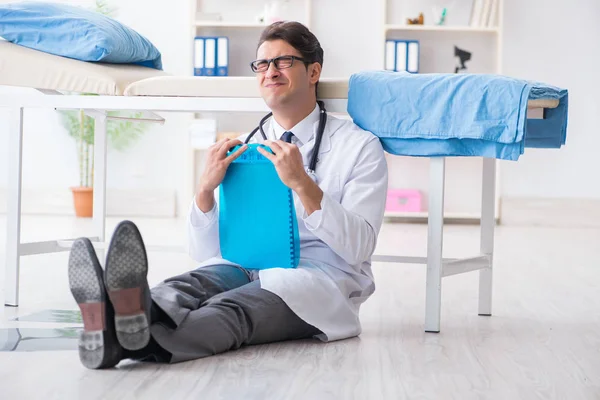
(287, 136)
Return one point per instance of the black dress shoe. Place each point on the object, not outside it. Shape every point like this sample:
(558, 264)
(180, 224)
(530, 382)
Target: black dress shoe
(127, 286)
(98, 345)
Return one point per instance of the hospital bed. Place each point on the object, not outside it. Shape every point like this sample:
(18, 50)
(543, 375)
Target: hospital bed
(58, 80)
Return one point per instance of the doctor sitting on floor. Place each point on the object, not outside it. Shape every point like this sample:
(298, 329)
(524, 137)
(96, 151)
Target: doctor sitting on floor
(221, 306)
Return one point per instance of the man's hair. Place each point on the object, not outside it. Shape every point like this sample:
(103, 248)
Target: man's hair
(298, 36)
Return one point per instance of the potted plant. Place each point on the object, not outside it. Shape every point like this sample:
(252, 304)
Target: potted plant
(120, 134)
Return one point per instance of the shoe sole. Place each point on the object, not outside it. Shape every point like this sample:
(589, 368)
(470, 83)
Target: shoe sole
(98, 347)
(125, 280)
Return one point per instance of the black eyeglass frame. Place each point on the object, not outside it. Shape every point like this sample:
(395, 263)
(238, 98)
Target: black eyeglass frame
(275, 61)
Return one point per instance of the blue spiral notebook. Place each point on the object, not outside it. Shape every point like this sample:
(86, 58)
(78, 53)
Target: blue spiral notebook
(258, 228)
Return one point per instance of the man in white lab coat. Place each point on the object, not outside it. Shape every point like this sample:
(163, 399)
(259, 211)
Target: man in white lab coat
(222, 306)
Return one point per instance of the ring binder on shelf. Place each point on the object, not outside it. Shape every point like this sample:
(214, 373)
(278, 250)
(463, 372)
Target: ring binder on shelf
(211, 56)
(222, 56)
(258, 227)
(402, 55)
(198, 56)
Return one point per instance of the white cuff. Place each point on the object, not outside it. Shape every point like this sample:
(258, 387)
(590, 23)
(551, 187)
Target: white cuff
(200, 219)
(314, 220)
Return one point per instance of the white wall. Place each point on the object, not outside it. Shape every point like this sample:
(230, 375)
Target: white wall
(557, 42)
(350, 35)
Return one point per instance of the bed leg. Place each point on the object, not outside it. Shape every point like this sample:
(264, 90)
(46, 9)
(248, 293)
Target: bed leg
(13, 211)
(100, 151)
(488, 222)
(435, 236)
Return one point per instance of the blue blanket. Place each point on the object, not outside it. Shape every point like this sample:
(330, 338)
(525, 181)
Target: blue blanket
(455, 114)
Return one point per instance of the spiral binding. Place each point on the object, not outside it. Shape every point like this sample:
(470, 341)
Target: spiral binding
(291, 226)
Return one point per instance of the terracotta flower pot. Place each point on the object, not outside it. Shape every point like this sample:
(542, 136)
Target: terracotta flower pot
(83, 199)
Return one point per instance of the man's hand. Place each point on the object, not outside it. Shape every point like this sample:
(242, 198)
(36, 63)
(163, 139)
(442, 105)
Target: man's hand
(287, 161)
(290, 168)
(217, 163)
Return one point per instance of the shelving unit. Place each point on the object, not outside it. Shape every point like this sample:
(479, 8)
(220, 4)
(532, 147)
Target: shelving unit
(463, 174)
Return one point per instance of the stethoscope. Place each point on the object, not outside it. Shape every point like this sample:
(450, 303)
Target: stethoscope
(313, 160)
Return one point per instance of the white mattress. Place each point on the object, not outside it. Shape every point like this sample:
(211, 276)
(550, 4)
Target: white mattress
(195, 86)
(21, 66)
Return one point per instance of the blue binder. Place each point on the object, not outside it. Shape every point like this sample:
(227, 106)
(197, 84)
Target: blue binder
(211, 56)
(402, 55)
(198, 56)
(258, 228)
(222, 56)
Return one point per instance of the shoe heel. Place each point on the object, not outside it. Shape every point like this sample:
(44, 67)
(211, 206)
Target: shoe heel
(91, 340)
(91, 349)
(131, 322)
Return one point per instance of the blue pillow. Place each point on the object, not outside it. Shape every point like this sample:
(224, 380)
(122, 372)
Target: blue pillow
(75, 32)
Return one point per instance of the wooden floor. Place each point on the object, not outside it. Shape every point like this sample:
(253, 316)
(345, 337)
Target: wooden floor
(543, 341)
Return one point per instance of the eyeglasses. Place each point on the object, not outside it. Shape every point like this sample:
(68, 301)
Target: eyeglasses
(280, 62)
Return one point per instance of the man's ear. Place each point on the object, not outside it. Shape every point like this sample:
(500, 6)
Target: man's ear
(315, 73)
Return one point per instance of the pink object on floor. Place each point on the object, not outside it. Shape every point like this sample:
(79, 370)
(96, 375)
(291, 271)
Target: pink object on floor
(405, 200)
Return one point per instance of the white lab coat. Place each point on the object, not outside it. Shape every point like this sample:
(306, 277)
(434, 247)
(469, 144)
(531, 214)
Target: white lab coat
(334, 275)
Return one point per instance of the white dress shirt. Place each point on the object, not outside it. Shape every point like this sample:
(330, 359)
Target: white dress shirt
(334, 275)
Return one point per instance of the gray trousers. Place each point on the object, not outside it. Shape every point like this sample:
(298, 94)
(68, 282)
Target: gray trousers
(215, 309)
